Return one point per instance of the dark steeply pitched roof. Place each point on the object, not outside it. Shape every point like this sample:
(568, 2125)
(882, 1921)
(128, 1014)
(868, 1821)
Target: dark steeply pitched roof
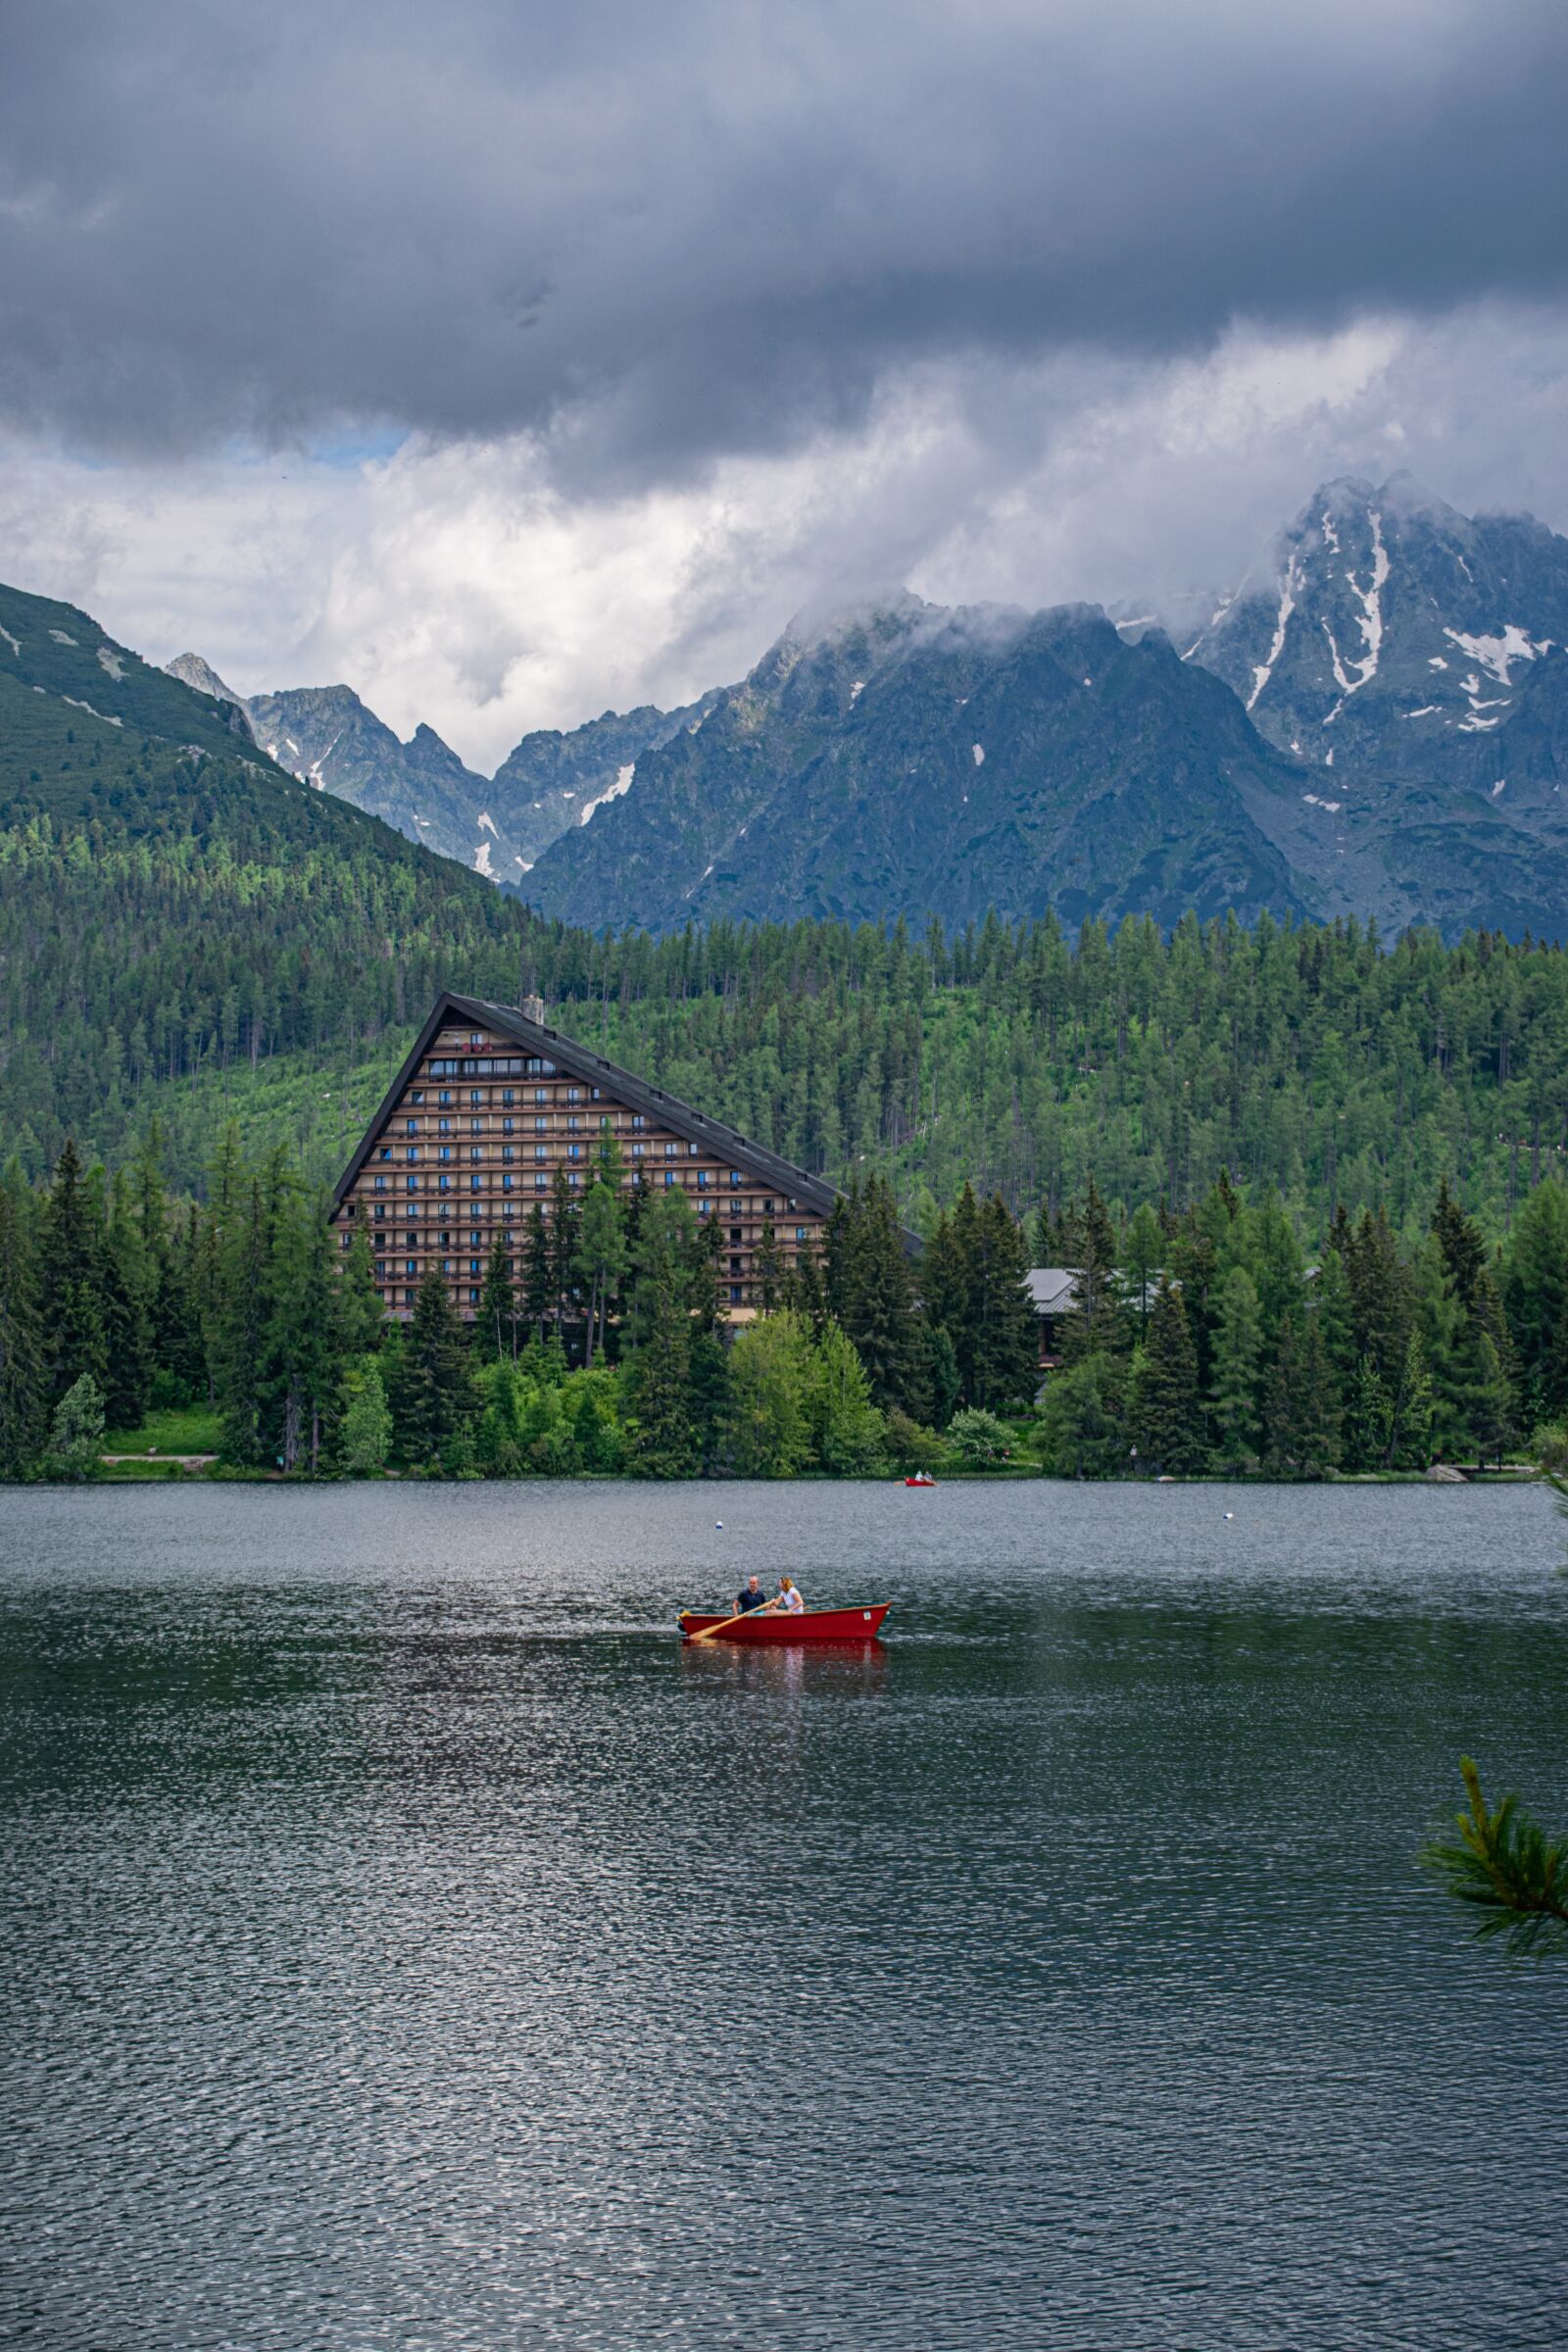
(576, 1062)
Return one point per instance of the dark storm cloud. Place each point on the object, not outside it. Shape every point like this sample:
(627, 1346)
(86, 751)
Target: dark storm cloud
(663, 231)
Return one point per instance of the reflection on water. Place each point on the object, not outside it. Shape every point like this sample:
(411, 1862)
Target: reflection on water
(410, 1943)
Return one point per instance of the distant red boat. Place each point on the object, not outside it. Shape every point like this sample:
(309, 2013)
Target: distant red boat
(778, 1625)
(921, 1478)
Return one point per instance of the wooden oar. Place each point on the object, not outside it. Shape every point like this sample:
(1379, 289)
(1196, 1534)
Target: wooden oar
(709, 1630)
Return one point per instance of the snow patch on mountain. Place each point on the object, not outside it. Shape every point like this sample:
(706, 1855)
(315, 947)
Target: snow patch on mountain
(111, 661)
(1265, 670)
(1495, 654)
(487, 824)
(482, 860)
(14, 643)
(612, 792)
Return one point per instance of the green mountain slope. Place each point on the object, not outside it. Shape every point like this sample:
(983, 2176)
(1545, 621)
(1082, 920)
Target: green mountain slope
(170, 902)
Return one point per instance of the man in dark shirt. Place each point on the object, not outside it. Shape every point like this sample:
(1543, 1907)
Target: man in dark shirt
(752, 1598)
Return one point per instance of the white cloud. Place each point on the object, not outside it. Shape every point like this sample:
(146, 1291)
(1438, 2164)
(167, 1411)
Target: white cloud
(459, 584)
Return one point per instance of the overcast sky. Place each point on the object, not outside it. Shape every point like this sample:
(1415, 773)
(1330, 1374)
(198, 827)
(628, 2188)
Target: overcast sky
(509, 362)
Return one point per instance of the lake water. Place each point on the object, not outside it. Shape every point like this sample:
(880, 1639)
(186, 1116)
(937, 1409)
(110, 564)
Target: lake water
(409, 1944)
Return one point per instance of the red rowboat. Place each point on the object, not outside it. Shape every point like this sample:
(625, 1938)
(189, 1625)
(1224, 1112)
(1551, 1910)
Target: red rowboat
(809, 1625)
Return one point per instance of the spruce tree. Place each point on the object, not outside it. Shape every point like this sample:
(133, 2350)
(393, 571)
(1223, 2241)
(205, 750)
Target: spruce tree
(1322, 1413)
(1233, 1388)
(1167, 1413)
(24, 1382)
(495, 1327)
(1097, 1322)
(657, 1369)
(565, 1223)
(602, 1257)
(1006, 1329)
(70, 1276)
(767, 1269)
(437, 1403)
(877, 1306)
(1535, 1299)
(358, 1317)
(536, 1273)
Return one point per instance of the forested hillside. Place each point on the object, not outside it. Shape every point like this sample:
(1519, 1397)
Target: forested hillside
(187, 932)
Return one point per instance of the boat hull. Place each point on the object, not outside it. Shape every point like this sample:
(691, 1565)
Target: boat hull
(811, 1625)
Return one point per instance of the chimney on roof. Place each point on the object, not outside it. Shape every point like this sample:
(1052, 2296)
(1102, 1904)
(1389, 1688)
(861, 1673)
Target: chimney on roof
(532, 1008)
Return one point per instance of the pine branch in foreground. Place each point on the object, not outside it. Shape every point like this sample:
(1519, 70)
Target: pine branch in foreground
(1505, 1865)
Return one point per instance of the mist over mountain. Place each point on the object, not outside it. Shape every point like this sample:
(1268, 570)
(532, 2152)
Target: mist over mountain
(1374, 723)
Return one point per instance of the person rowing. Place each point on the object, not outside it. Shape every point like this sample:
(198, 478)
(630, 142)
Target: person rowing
(754, 1597)
(787, 1598)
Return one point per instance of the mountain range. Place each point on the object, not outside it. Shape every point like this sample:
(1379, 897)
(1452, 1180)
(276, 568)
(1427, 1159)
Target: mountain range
(1374, 723)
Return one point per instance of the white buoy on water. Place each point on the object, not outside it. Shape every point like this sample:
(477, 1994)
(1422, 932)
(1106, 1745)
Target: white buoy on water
(1230, 1514)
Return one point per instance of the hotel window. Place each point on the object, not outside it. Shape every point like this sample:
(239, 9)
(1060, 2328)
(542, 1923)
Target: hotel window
(411, 1126)
(476, 1154)
(574, 1093)
(473, 1297)
(443, 1184)
(703, 1208)
(539, 1152)
(735, 1234)
(380, 1184)
(509, 1096)
(444, 1151)
(702, 1176)
(574, 1176)
(540, 1182)
(446, 1265)
(575, 1151)
(476, 1098)
(475, 1266)
(508, 1211)
(476, 1238)
(574, 1125)
(386, 1150)
(800, 1233)
(767, 1209)
(345, 1241)
(509, 1126)
(411, 1241)
(443, 1239)
(541, 1126)
(442, 1126)
(594, 1093)
(670, 1175)
(380, 1211)
(638, 1121)
(476, 1039)
(380, 1269)
(671, 1150)
(506, 1183)
(412, 1154)
(410, 1184)
(476, 1126)
(445, 1098)
(509, 1151)
(540, 1094)
(734, 1294)
(639, 1151)
(417, 1095)
(477, 1184)
(734, 1265)
(411, 1265)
